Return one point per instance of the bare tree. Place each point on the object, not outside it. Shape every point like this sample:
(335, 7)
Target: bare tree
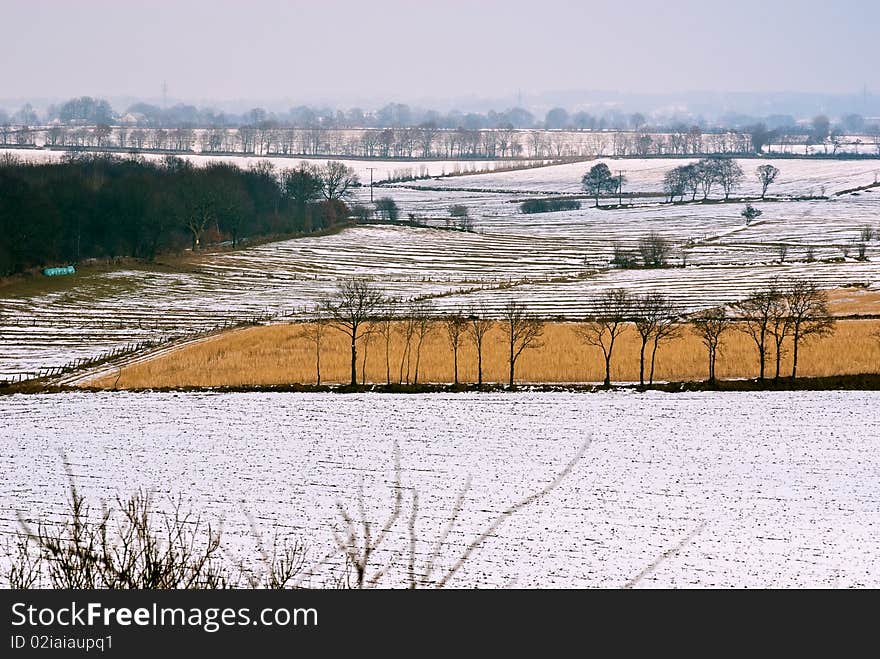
(478, 326)
(355, 303)
(655, 319)
(706, 173)
(667, 328)
(654, 250)
(407, 329)
(756, 316)
(749, 213)
(599, 180)
(710, 325)
(337, 180)
(456, 325)
(808, 314)
(766, 175)
(613, 310)
(780, 329)
(424, 325)
(314, 332)
(729, 174)
(366, 339)
(383, 326)
(522, 332)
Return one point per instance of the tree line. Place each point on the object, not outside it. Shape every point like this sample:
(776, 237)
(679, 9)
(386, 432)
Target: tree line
(426, 140)
(690, 180)
(779, 318)
(105, 207)
(86, 110)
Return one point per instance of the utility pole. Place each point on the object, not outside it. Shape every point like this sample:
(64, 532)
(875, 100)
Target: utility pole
(371, 183)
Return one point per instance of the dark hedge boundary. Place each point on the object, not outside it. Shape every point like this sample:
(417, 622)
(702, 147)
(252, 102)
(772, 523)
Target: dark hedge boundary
(861, 382)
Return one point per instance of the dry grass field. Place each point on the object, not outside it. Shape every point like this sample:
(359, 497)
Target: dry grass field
(279, 354)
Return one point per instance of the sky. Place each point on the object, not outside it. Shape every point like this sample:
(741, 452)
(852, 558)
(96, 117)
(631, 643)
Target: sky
(370, 50)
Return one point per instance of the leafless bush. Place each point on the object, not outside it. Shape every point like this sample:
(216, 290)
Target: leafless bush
(624, 258)
(130, 546)
(125, 548)
(654, 250)
(359, 542)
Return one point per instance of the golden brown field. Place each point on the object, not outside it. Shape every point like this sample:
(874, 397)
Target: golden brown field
(278, 354)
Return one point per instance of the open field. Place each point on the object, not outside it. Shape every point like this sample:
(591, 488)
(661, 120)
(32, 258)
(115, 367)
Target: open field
(796, 177)
(279, 354)
(758, 489)
(382, 169)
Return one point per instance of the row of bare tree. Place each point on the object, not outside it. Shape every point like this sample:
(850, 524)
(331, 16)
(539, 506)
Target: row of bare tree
(364, 315)
(778, 317)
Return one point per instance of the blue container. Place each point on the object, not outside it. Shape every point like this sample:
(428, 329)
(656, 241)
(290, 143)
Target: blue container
(57, 272)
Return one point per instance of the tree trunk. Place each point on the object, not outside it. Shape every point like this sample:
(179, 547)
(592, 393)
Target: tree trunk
(480, 364)
(511, 364)
(653, 357)
(418, 359)
(455, 365)
(354, 374)
(402, 362)
(778, 359)
(318, 362)
(607, 382)
(642, 363)
(364, 365)
(794, 354)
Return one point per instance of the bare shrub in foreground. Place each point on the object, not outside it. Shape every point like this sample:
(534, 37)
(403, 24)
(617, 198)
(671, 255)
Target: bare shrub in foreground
(360, 542)
(131, 546)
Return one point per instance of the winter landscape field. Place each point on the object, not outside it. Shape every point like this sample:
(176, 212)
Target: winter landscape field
(553, 262)
(675, 490)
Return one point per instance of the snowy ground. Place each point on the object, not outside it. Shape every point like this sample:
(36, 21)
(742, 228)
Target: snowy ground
(382, 169)
(796, 177)
(773, 489)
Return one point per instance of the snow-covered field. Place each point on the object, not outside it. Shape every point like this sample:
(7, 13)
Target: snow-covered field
(762, 489)
(382, 169)
(796, 177)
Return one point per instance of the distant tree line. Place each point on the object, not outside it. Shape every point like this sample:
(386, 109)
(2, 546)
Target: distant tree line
(86, 110)
(98, 207)
(399, 131)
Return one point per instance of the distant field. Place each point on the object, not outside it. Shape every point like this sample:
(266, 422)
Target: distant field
(278, 354)
(382, 169)
(796, 177)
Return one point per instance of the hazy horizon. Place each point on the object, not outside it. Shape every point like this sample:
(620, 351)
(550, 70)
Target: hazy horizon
(349, 53)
